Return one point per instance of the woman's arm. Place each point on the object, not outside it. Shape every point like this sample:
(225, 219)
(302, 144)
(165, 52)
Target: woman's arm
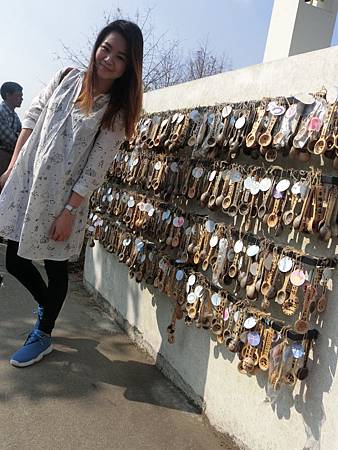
(23, 136)
(30, 119)
(99, 160)
(40, 101)
(63, 224)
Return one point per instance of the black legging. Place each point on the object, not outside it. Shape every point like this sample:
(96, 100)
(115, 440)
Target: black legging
(51, 297)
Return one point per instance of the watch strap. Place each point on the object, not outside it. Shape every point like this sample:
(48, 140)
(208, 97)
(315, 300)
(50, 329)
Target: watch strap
(71, 209)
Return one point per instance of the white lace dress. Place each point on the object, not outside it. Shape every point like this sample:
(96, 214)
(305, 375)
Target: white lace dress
(61, 156)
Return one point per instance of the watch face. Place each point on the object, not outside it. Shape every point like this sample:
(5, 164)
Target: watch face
(71, 209)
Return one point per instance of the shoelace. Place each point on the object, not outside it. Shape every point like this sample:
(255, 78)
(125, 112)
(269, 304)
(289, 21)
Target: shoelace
(38, 312)
(34, 336)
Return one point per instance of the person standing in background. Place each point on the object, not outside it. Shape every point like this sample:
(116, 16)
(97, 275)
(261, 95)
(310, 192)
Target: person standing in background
(10, 125)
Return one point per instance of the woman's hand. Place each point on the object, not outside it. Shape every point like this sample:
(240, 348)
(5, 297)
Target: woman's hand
(22, 139)
(3, 179)
(62, 226)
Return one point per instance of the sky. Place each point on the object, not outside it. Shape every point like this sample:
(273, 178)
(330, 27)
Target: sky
(32, 32)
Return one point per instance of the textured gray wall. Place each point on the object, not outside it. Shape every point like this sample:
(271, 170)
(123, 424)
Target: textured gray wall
(302, 418)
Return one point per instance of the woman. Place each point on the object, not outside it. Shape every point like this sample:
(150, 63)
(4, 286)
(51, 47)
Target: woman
(69, 137)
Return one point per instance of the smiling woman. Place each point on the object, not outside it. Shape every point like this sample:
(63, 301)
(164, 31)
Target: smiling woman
(75, 126)
(111, 59)
(115, 66)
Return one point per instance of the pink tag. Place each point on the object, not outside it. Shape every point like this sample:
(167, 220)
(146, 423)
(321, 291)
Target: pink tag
(180, 221)
(297, 277)
(315, 124)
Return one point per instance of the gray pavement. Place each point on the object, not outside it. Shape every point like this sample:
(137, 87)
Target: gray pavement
(96, 390)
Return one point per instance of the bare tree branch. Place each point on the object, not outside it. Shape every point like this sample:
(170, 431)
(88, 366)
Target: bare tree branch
(163, 64)
(203, 63)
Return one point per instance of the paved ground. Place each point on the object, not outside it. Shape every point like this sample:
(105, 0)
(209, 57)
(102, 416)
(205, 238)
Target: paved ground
(96, 390)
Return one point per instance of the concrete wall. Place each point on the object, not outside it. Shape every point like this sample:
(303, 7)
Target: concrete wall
(301, 73)
(298, 27)
(302, 418)
(313, 28)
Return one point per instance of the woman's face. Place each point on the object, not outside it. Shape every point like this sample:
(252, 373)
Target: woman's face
(111, 57)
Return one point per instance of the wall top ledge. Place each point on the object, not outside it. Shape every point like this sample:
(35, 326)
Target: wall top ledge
(307, 72)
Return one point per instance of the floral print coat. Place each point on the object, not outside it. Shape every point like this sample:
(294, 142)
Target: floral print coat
(67, 151)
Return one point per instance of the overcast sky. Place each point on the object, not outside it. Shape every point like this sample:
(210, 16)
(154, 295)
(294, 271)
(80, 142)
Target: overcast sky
(32, 31)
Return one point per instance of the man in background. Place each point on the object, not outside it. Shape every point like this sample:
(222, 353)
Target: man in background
(10, 125)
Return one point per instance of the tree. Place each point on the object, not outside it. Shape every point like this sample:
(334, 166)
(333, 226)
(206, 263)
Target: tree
(203, 63)
(163, 64)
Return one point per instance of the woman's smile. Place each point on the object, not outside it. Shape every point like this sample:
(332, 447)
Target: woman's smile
(111, 57)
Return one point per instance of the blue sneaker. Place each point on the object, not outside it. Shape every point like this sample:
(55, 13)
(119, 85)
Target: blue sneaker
(39, 313)
(38, 344)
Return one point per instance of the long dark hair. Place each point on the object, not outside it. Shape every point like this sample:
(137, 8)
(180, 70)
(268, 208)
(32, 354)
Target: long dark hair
(127, 91)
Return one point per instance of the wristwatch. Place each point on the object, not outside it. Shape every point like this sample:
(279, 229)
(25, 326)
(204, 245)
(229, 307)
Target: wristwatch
(71, 209)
